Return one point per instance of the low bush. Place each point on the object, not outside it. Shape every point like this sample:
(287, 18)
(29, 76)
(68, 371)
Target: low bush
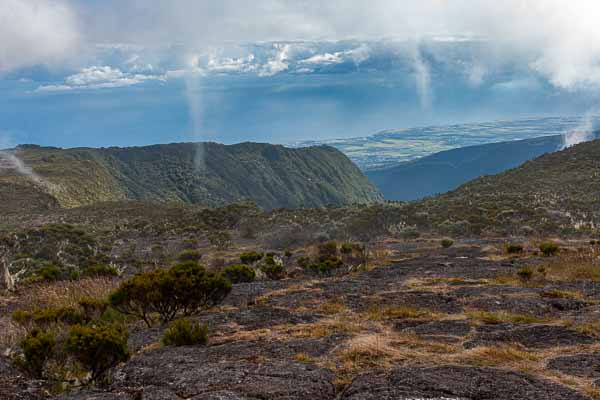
(185, 288)
(549, 249)
(325, 265)
(38, 346)
(189, 255)
(328, 248)
(93, 308)
(98, 348)
(251, 257)
(185, 333)
(239, 273)
(447, 243)
(525, 274)
(273, 271)
(100, 270)
(346, 249)
(513, 248)
(45, 317)
(303, 262)
(49, 273)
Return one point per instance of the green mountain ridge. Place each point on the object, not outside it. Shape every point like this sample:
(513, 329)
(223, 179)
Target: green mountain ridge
(211, 174)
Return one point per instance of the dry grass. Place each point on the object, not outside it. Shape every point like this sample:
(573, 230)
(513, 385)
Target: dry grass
(329, 327)
(591, 328)
(332, 307)
(65, 293)
(384, 313)
(562, 294)
(581, 265)
(503, 317)
(509, 356)
(11, 333)
(303, 357)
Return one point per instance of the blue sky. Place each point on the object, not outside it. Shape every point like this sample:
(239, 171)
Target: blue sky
(102, 73)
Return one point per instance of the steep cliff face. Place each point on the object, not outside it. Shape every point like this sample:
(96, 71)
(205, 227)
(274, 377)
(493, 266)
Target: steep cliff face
(195, 173)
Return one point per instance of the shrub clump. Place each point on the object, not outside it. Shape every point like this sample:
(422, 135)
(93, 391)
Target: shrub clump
(98, 348)
(272, 267)
(189, 255)
(512, 248)
(184, 289)
(328, 248)
(549, 249)
(100, 270)
(325, 265)
(525, 274)
(447, 243)
(251, 257)
(38, 346)
(182, 332)
(239, 273)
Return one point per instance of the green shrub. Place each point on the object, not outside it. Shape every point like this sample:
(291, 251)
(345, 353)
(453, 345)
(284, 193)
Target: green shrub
(325, 265)
(239, 273)
(98, 348)
(303, 262)
(38, 346)
(189, 255)
(447, 243)
(513, 248)
(44, 317)
(549, 248)
(93, 308)
(100, 270)
(272, 270)
(288, 253)
(185, 333)
(185, 288)
(346, 248)
(410, 233)
(49, 273)
(328, 248)
(525, 274)
(251, 257)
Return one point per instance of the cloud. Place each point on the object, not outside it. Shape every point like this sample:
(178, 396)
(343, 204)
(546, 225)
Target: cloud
(99, 78)
(36, 32)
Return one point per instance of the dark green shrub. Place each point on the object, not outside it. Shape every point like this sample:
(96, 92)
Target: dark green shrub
(272, 270)
(49, 273)
(525, 274)
(549, 248)
(185, 333)
(328, 248)
(303, 262)
(251, 257)
(239, 273)
(287, 254)
(325, 265)
(38, 346)
(447, 243)
(45, 317)
(189, 255)
(513, 248)
(220, 239)
(185, 288)
(346, 249)
(100, 270)
(98, 348)
(93, 308)
(410, 233)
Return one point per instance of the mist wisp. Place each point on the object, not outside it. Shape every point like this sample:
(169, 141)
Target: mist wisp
(583, 133)
(9, 161)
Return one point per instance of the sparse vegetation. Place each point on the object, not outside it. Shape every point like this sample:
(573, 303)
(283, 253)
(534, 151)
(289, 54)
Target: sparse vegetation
(447, 243)
(549, 249)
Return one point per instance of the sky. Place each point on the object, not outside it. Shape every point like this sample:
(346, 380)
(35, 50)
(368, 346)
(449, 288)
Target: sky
(135, 72)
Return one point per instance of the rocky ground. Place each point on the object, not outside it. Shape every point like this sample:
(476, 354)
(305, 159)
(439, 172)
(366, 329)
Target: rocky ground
(429, 323)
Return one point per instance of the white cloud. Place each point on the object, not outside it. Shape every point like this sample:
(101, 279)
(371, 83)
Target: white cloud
(232, 65)
(99, 78)
(326, 59)
(277, 64)
(36, 32)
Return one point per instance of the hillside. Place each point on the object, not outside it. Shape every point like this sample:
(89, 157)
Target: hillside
(191, 173)
(446, 170)
(556, 192)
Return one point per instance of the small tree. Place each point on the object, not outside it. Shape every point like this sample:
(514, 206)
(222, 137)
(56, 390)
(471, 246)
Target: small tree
(186, 288)
(98, 348)
(251, 257)
(189, 255)
(549, 249)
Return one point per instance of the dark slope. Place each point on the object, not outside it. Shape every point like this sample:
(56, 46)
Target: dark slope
(447, 170)
(207, 173)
